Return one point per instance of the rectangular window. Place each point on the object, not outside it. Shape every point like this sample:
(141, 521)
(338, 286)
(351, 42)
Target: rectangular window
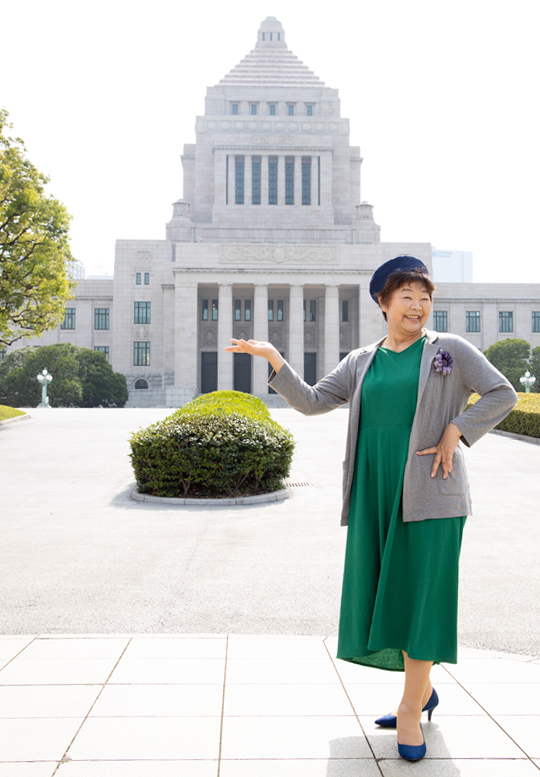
(289, 180)
(104, 349)
(536, 323)
(255, 180)
(101, 318)
(345, 310)
(313, 310)
(280, 315)
(204, 310)
(239, 180)
(506, 321)
(253, 110)
(141, 313)
(306, 180)
(69, 319)
(214, 310)
(270, 309)
(472, 321)
(272, 180)
(138, 278)
(310, 110)
(147, 279)
(272, 110)
(238, 310)
(291, 110)
(141, 354)
(247, 310)
(440, 320)
(235, 109)
(2, 354)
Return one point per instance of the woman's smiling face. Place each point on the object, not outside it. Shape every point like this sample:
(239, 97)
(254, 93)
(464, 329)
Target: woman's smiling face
(408, 309)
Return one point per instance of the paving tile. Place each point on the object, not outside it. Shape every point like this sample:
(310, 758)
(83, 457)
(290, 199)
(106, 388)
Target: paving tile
(10, 646)
(285, 670)
(36, 739)
(135, 769)
(286, 699)
(75, 648)
(300, 767)
(27, 769)
(495, 670)
(169, 670)
(524, 729)
(471, 736)
(293, 737)
(47, 701)
(159, 700)
(146, 738)
(380, 699)
(176, 648)
(507, 698)
(472, 767)
(356, 673)
(57, 671)
(276, 648)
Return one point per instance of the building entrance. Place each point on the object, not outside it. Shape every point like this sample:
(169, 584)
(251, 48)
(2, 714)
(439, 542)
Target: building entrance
(242, 372)
(310, 368)
(208, 371)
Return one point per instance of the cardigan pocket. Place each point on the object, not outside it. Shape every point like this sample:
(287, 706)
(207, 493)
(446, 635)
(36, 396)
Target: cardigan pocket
(456, 482)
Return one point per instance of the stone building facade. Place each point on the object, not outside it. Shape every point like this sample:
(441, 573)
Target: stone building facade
(270, 241)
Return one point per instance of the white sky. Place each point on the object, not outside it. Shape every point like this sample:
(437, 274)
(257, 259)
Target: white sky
(443, 100)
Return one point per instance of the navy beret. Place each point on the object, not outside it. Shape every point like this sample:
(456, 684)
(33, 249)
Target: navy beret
(400, 263)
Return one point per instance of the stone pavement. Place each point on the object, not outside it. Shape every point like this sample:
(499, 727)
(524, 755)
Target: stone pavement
(249, 706)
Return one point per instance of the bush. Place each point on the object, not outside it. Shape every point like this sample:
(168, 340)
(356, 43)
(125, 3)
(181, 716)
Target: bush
(523, 419)
(9, 412)
(511, 357)
(222, 444)
(81, 377)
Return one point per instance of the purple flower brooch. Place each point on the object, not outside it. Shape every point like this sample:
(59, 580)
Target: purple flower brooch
(443, 362)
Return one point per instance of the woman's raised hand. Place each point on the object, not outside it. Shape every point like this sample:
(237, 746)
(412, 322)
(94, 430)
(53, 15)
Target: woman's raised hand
(258, 348)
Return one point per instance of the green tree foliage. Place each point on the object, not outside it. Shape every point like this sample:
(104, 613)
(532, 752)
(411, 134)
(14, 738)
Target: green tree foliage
(534, 369)
(511, 357)
(34, 246)
(81, 378)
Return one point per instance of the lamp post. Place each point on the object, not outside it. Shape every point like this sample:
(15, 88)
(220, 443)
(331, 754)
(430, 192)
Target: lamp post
(527, 380)
(44, 378)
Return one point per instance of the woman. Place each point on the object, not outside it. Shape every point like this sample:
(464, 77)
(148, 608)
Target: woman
(406, 495)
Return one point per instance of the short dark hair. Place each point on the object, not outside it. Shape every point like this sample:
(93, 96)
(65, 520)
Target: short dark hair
(398, 279)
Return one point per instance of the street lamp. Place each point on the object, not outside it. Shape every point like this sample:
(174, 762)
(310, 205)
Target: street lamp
(528, 380)
(44, 378)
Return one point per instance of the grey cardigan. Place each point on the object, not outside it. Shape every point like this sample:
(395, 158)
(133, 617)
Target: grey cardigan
(441, 399)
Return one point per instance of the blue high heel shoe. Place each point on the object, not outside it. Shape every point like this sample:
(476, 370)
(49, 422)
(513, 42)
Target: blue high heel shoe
(390, 721)
(413, 752)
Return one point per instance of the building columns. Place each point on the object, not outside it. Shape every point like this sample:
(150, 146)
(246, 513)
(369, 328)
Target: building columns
(260, 332)
(264, 179)
(225, 333)
(231, 173)
(247, 179)
(331, 328)
(281, 180)
(296, 329)
(185, 335)
(297, 180)
(315, 180)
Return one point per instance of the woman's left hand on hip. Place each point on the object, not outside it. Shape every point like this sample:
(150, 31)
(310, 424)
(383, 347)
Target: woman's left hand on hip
(444, 451)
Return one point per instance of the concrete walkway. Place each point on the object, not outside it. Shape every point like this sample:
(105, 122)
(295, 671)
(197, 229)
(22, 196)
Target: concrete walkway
(254, 706)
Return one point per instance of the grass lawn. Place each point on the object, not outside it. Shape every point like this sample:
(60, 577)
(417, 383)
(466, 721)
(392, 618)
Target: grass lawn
(9, 412)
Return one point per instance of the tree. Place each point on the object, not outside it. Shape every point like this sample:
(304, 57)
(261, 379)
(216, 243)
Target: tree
(535, 368)
(81, 378)
(511, 357)
(34, 246)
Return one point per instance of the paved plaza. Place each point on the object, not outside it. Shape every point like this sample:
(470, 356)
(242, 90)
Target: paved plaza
(146, 639)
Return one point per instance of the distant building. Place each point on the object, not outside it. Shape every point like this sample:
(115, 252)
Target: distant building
(452, 266)
(76, 271)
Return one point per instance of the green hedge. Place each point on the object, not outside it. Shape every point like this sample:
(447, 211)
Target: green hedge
(9, 412)
(524, 418)
(219, 445)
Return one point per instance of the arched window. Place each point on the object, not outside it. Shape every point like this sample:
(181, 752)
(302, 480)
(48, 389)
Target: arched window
(141, 384)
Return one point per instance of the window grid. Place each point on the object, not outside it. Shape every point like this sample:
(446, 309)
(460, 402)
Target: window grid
(345, 310)
(272, 110)
(290, 110)
(289, 180)
(256, 180)
(235, 109)
(101, 318)
(141, 354)
(204, 315)
(239, 180)
(310, 110)
(270, 309)
(313, 310)
(247, 310)
(272, 180)
(280, 310)
(506, 321)
(253, 110)
(238, 310)
(440, 320)
(104, 349)
(138, 278)
(69, 319)
(2, 354)
(147, 279)
(472, 321)
(536, 320)
(141, 313)
(306, 180)
(214, 310)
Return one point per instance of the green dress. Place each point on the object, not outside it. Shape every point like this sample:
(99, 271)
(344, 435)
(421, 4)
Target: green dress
(400, 581)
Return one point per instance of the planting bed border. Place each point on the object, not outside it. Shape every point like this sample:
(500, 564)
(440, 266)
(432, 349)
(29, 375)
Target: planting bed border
(256, 499)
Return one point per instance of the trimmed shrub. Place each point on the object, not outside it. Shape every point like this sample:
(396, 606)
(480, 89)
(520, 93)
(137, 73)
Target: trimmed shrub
(222, 444)
(9, 412)
(523, 419)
